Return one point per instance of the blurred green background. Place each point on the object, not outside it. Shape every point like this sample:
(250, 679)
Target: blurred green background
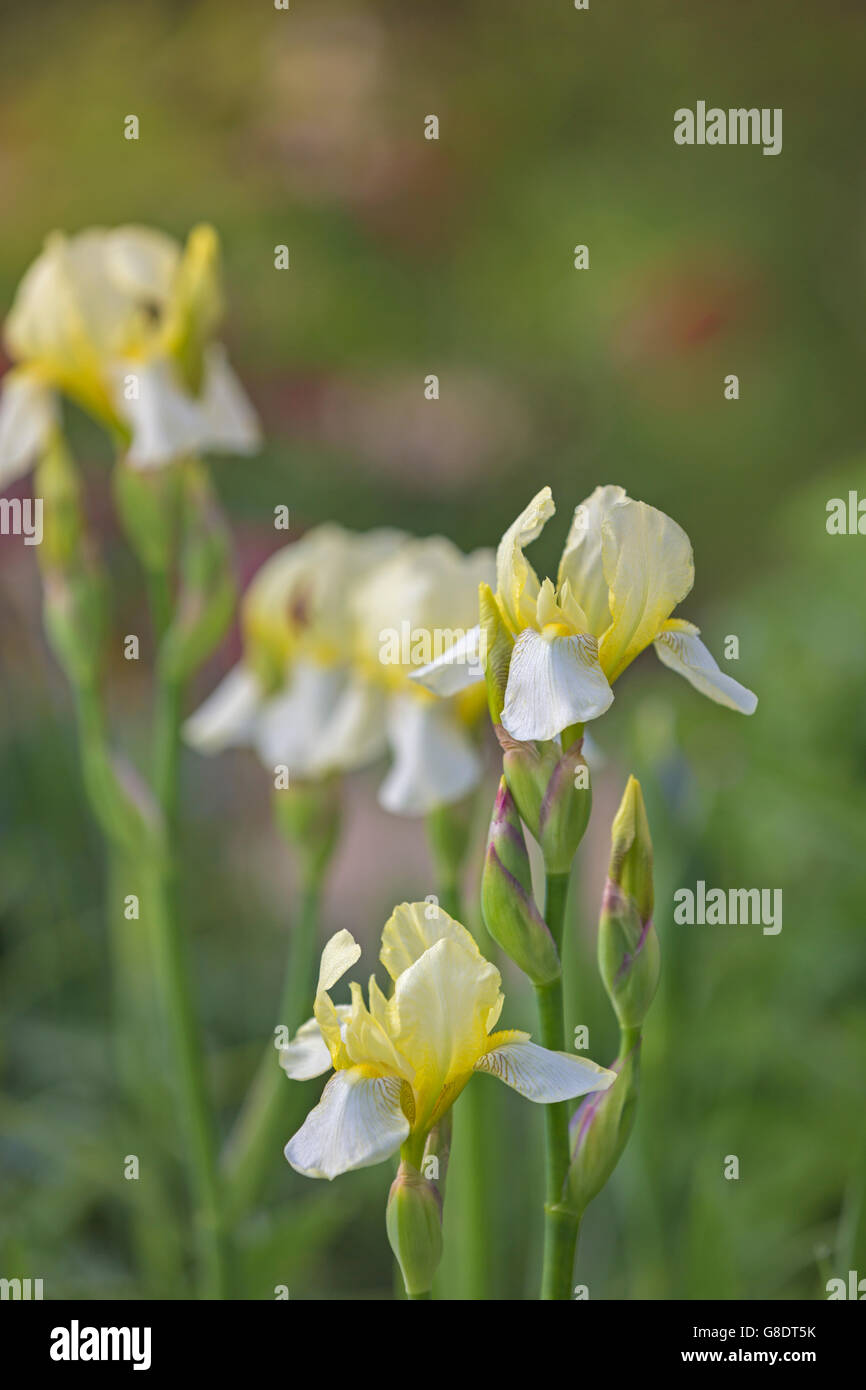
(410, 257)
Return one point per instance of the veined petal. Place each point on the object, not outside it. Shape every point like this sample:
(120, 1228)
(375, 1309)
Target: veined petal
(516, 580)
(412, 929)
(438, 1017)
(308, 1055)
(553, 683)
(434, 761)
(581, 564)
(358, 1122)
(28, 412)
(679, 647)
(542, 1075)
(649, 569)
(367, 1041)
(227, 718)
(458, 667)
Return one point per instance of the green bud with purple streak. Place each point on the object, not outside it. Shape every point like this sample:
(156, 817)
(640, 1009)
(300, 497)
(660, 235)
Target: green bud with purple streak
(552, 790)
(628, 947)
(507, 904)
(599, 1131)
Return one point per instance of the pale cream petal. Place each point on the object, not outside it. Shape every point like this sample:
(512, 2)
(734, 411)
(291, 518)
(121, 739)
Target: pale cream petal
(293, 725)
(456, 669)
(339, 955)
(358, 1122)
(680, 648)
(28, 414)
(413, 928)
(542, 1075)
(516, 580)
(227, 718)
(581, 564)
(142, 263)
(355, 734)
(438, 1017)
(649, 569)
(165, 421)
(229, 423)
(434, 762)
(308, 1055)
(553, 683)
(367, 1041)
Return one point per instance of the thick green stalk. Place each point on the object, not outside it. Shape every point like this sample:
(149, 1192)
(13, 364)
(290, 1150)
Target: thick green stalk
(265, 1121)
(173, 978)
(560, 1227)
(159, 1256)
(172, 974)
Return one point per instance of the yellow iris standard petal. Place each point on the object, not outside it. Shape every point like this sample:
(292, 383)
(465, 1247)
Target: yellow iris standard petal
(516, 581)
(413, 928)
(438, 1017)
(649, 569)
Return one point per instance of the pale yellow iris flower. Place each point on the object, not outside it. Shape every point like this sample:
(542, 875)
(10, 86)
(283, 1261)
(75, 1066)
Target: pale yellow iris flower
(624, 569)
(122, 322)
(317, 691)
(420, 596)
(401, 1061)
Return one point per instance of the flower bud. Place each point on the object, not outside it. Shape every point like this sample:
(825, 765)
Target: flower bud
(413, 1220)
(58, 484)
(308, 815)
(497, 644)
(628, 947)
(553, 795)
(599, 1132)
(507, 904)
(148, 504)
(206, 597)
(74, 587)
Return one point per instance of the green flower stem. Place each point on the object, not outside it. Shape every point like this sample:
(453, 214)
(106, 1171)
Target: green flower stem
(135, 1024)
(158, 1249)
(270, 1109)
(173, 979)
(172, 974)
(560, 1227)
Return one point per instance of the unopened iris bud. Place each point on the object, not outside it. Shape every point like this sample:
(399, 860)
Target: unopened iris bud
(58, 484)
(628, 947)
(308, 815)
(413, 1220)
(553, 795)
(507, 904)
(206, 598)
(497, 644)
(148, 504)
(599, 1132)
(73, 583)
